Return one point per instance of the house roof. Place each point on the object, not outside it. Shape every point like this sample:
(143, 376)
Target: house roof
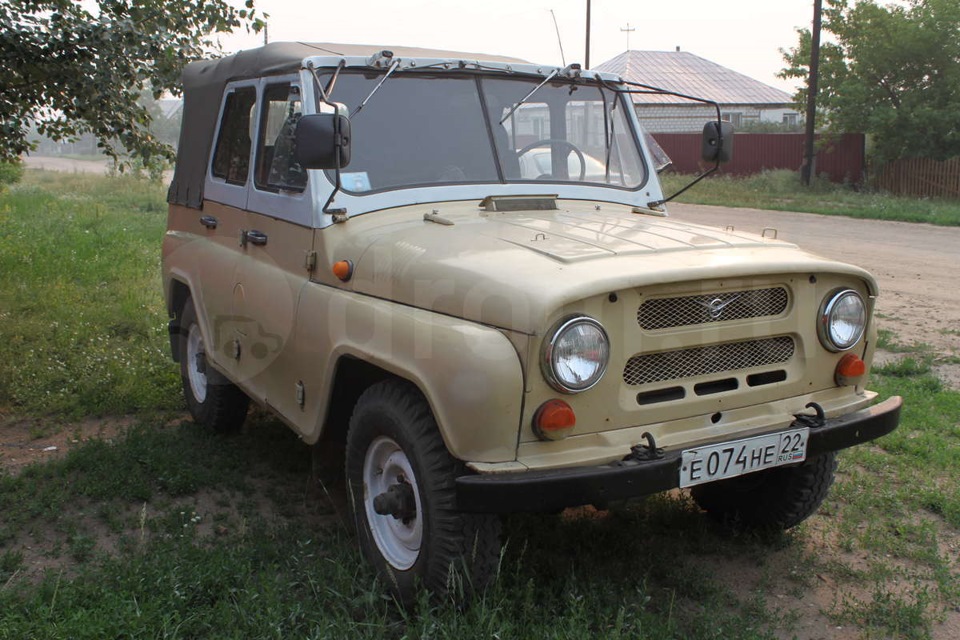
(692, 75)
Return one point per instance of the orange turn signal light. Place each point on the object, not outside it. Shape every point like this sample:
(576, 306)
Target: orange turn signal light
(849, 369)
(554, 420)
(343, 269)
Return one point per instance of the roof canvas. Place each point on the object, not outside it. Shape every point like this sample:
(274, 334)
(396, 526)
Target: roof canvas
(205, 80)
(686, 73)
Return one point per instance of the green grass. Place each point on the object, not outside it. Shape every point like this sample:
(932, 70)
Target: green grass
(168, 530)
(781, 191)
(82, 329)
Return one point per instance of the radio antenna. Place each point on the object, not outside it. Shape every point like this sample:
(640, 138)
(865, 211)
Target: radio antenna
(559, 41)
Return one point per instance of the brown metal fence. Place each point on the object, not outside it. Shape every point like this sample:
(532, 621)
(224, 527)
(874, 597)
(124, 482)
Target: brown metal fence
(841, 159)
(920, 177)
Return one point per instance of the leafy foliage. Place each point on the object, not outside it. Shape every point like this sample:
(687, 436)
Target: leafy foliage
(70, 69)
(890, 71)
(10, 173)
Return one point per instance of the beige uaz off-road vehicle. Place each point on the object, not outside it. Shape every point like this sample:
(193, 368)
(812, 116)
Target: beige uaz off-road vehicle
(457, 269)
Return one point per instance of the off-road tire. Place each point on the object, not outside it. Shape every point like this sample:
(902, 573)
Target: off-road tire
(224, 407)
(776, 499)
(458, 552)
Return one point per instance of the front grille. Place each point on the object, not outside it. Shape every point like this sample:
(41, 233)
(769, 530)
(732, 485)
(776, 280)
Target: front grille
(699, 361)
(663, 313)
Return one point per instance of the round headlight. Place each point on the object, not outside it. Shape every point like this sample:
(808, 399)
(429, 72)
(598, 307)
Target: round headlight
(576, 354)
(843, 317)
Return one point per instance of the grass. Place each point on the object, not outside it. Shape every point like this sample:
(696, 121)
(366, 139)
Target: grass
(168, 530)
(781, 191)
(82, 327)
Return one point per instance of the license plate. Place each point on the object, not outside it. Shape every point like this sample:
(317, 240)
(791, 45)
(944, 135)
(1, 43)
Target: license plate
(731, 459)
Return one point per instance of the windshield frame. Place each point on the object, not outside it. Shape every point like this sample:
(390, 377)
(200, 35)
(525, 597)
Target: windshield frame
(609, 101)
(363, 202)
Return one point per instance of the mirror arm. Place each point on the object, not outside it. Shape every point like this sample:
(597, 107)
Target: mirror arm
(657, 203)
(325, 98)
(651, 90)
(337, 184)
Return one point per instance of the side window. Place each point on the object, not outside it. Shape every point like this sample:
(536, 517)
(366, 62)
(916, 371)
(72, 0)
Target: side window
(276, 168)
(231, 157)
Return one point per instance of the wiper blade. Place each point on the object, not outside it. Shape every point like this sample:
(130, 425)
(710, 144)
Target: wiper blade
(571, 70)
(393, 67)
(527, 97)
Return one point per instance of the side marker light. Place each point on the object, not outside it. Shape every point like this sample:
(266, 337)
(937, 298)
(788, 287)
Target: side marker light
(343, 269)
(554, 420)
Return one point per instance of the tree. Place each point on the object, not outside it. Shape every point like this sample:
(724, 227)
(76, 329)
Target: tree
(892, 72)
(68, 70)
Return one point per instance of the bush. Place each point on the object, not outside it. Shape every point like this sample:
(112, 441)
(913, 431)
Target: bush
(10, 173)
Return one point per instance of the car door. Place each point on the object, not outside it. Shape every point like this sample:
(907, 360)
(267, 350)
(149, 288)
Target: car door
(278, 237)
(220, 220)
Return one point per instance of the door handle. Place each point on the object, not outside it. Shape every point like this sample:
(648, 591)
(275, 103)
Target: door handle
(209, 222)
(256, 237)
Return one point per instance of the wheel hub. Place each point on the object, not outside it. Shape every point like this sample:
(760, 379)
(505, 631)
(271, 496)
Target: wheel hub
(392, 503)
(397, 501)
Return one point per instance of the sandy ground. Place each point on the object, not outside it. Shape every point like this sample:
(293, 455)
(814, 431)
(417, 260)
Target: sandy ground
(916, 266)
(66, 164)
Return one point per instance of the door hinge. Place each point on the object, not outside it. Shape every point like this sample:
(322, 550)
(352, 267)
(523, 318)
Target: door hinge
(310, 261)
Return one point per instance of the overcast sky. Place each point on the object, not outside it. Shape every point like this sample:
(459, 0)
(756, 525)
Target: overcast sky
(744, 35)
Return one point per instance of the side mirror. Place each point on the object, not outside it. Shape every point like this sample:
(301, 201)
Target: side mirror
(323, 141)
(717, 142)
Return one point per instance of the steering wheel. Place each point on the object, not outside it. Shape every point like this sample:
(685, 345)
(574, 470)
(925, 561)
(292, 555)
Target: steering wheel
(561, 143)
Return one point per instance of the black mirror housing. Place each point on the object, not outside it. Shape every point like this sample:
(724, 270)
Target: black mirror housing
(323, 141)
(717, 142)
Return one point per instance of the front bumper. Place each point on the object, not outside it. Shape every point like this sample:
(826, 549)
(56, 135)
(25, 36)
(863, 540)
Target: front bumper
(558, 488)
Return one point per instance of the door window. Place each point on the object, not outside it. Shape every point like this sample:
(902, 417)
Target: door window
(277, 168)
(231, 157)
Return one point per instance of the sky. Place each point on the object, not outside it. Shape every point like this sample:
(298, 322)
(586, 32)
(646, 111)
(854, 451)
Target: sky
(743, 35)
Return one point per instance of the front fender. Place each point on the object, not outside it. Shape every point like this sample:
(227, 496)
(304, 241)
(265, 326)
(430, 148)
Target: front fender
(470, 374)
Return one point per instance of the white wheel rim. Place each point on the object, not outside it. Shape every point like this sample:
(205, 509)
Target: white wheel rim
(197, 378)
(384, 466)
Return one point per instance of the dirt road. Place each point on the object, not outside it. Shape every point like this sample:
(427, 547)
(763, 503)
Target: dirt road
(916, 265)
(68, 165)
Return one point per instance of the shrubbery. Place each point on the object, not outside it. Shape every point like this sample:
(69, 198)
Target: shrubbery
(10, 173)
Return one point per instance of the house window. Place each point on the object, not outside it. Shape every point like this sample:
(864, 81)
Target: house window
(733, 117)
(790, 119)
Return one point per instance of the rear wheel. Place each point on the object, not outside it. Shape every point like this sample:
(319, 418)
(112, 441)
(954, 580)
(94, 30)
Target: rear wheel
(778, 498)
(400, 481)
(212, 400)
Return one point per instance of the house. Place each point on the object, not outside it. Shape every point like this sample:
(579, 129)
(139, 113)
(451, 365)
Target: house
(743, 101)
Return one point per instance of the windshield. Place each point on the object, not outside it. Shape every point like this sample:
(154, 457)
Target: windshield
(427, 128)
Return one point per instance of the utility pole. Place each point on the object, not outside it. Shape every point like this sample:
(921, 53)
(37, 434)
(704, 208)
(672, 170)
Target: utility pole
(808, 169)
(628, 31)
(586, 61)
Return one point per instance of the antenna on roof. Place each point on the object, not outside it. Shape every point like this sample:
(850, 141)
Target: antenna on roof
(563, 58)
(628, 31)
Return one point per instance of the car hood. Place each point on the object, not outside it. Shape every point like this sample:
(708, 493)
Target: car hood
(516, 270)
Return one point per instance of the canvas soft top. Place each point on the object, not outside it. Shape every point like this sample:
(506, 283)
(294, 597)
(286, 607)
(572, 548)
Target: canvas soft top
(205, 80)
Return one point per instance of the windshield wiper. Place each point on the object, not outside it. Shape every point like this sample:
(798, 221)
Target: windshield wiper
(567, 70)
(393, 67)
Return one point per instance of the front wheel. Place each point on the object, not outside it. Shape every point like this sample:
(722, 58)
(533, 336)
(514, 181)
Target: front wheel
(400, 480)
(212, 400)
(778, 498)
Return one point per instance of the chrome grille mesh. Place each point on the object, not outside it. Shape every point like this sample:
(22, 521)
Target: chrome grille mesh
(718, 358)
(662, 313)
